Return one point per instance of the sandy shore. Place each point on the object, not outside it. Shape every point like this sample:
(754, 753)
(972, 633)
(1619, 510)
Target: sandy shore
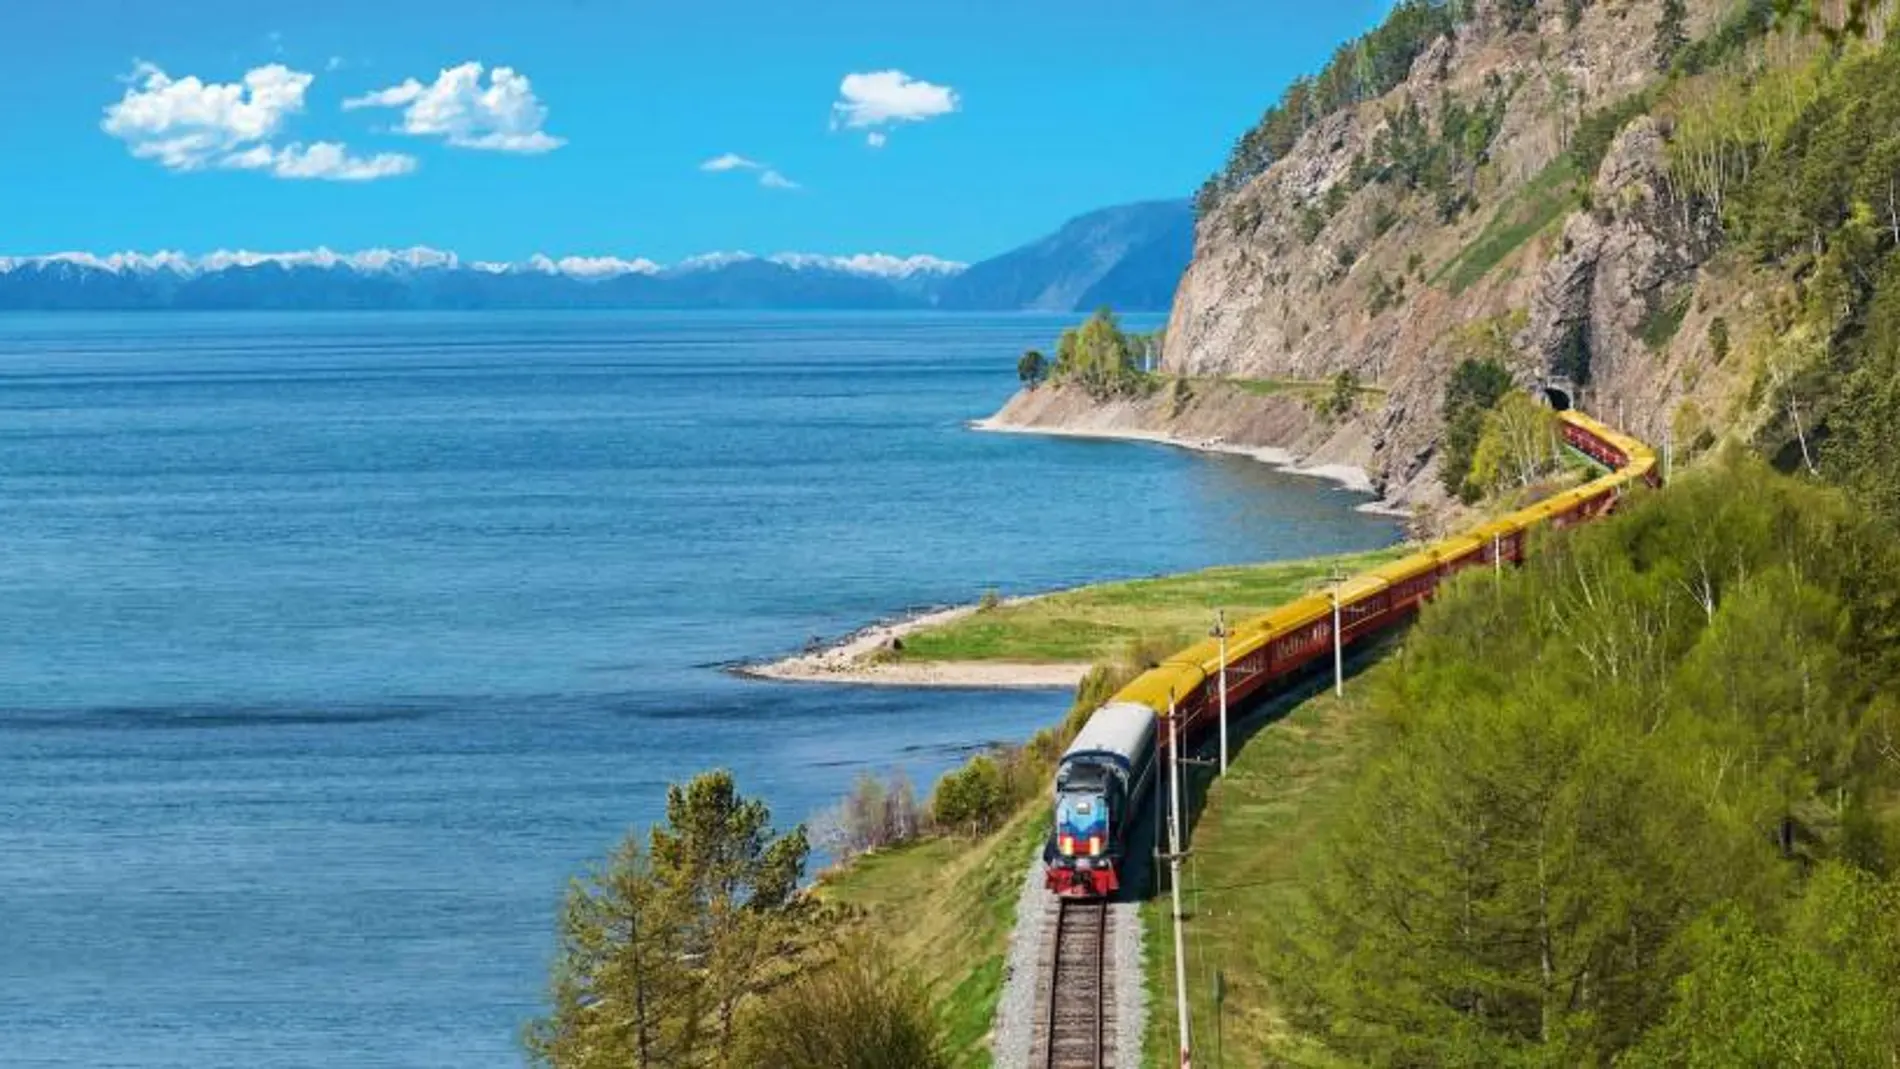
(849, 660)
(1352, 478)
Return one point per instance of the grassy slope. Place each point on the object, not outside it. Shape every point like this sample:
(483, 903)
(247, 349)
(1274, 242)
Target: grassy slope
(1281, 788)
(1543, 201)
(947, 907)
(1095, 623)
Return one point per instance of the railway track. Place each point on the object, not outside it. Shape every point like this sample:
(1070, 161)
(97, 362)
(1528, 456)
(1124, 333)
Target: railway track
(1079, 992)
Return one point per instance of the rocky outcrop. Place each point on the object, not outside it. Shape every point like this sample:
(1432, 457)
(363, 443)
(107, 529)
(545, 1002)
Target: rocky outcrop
(1389, 289)
(1625, 270)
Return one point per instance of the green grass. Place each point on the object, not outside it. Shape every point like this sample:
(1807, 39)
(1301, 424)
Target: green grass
(1282, 789)
(1661, 323)
(947, 906)
(1543, 200)
(1097, 623)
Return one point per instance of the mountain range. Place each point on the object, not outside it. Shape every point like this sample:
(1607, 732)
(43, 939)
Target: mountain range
(1129, 257)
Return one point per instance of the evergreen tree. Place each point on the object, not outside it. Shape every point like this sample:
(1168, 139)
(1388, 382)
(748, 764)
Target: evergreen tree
(1671, 32)
(660, 949)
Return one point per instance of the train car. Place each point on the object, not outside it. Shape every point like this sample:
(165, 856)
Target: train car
(1110, 767)
(1100, 782)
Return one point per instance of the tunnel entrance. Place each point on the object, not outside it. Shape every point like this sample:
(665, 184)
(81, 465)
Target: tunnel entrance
(1558, 398)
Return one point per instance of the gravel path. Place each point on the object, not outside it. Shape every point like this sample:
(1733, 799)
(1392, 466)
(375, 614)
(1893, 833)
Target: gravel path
(1131, 995)
(1019, 1010)
(1016, 1015)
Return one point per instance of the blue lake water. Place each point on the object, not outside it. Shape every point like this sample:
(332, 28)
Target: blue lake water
(331, 646)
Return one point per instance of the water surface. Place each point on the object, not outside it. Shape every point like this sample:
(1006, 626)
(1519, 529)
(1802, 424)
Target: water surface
(331, 645)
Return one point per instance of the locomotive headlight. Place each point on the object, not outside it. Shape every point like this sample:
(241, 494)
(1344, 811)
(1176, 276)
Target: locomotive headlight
(1095, 846)
(1066, 844)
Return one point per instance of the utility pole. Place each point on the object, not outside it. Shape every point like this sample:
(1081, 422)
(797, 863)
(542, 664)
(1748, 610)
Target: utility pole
(1174, 867)
(1220, 632)
(1339, 642)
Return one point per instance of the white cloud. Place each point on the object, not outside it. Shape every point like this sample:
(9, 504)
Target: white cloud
(186, 124)
(326, 160)
(502, 116)
(873, 99)
(769, 177)
(335, 64)
(731, 161)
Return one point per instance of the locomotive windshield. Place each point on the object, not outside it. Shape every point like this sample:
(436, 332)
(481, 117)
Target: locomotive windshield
(1081, 776)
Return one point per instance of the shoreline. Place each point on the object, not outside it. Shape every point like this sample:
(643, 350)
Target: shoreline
(843, 661)
(1347, 476)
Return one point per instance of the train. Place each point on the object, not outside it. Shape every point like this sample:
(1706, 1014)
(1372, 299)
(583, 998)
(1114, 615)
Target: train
(1104, 775)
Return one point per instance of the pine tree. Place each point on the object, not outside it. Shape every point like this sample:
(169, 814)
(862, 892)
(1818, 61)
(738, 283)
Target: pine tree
(1671, 32)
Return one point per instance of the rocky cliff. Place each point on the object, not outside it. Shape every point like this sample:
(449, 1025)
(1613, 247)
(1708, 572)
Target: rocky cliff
(1558, 244)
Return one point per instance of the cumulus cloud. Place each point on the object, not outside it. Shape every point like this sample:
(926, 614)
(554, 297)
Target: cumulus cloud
(874, 99)
(187, 124)
(771, 179)
(730, 161)
(327, 160)
(502, 116)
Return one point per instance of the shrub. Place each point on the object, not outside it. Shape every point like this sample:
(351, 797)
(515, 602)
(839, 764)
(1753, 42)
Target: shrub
(858, 1011)
(971, 800)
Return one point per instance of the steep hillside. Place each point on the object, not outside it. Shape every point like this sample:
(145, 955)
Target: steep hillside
(1676, 213)
(1360, 251)
(1129, 257)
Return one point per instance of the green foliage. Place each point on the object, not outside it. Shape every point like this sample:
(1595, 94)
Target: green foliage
(1821, 994)
(1746, 22)
(1516, 448)
(860, 1010)
(1344, 397)
(1032, 368)
(1718, 338)
(1671, 33)
(1534, 207)
(1595, 132)
(1101, 357)
(1573, 13)
(1860, 450)
(1661, 322)
(660, 949)
(1585, 770)
(1475, 387)
(1359, 70)
(973, 799)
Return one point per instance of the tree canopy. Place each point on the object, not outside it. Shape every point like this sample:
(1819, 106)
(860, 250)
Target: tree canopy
(1609, 789)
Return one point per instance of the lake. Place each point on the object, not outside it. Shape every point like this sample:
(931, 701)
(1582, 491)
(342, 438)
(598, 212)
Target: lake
(331, 646)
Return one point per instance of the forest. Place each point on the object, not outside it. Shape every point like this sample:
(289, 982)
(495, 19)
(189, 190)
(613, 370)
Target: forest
(1635, 804)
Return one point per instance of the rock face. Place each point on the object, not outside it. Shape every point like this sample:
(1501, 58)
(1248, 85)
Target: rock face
(1390, 290)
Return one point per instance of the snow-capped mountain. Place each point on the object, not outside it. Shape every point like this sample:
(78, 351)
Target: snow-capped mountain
(422, 277)
(1130, 257)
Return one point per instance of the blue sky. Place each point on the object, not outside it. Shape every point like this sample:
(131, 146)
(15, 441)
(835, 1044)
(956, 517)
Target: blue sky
(1007, 118)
